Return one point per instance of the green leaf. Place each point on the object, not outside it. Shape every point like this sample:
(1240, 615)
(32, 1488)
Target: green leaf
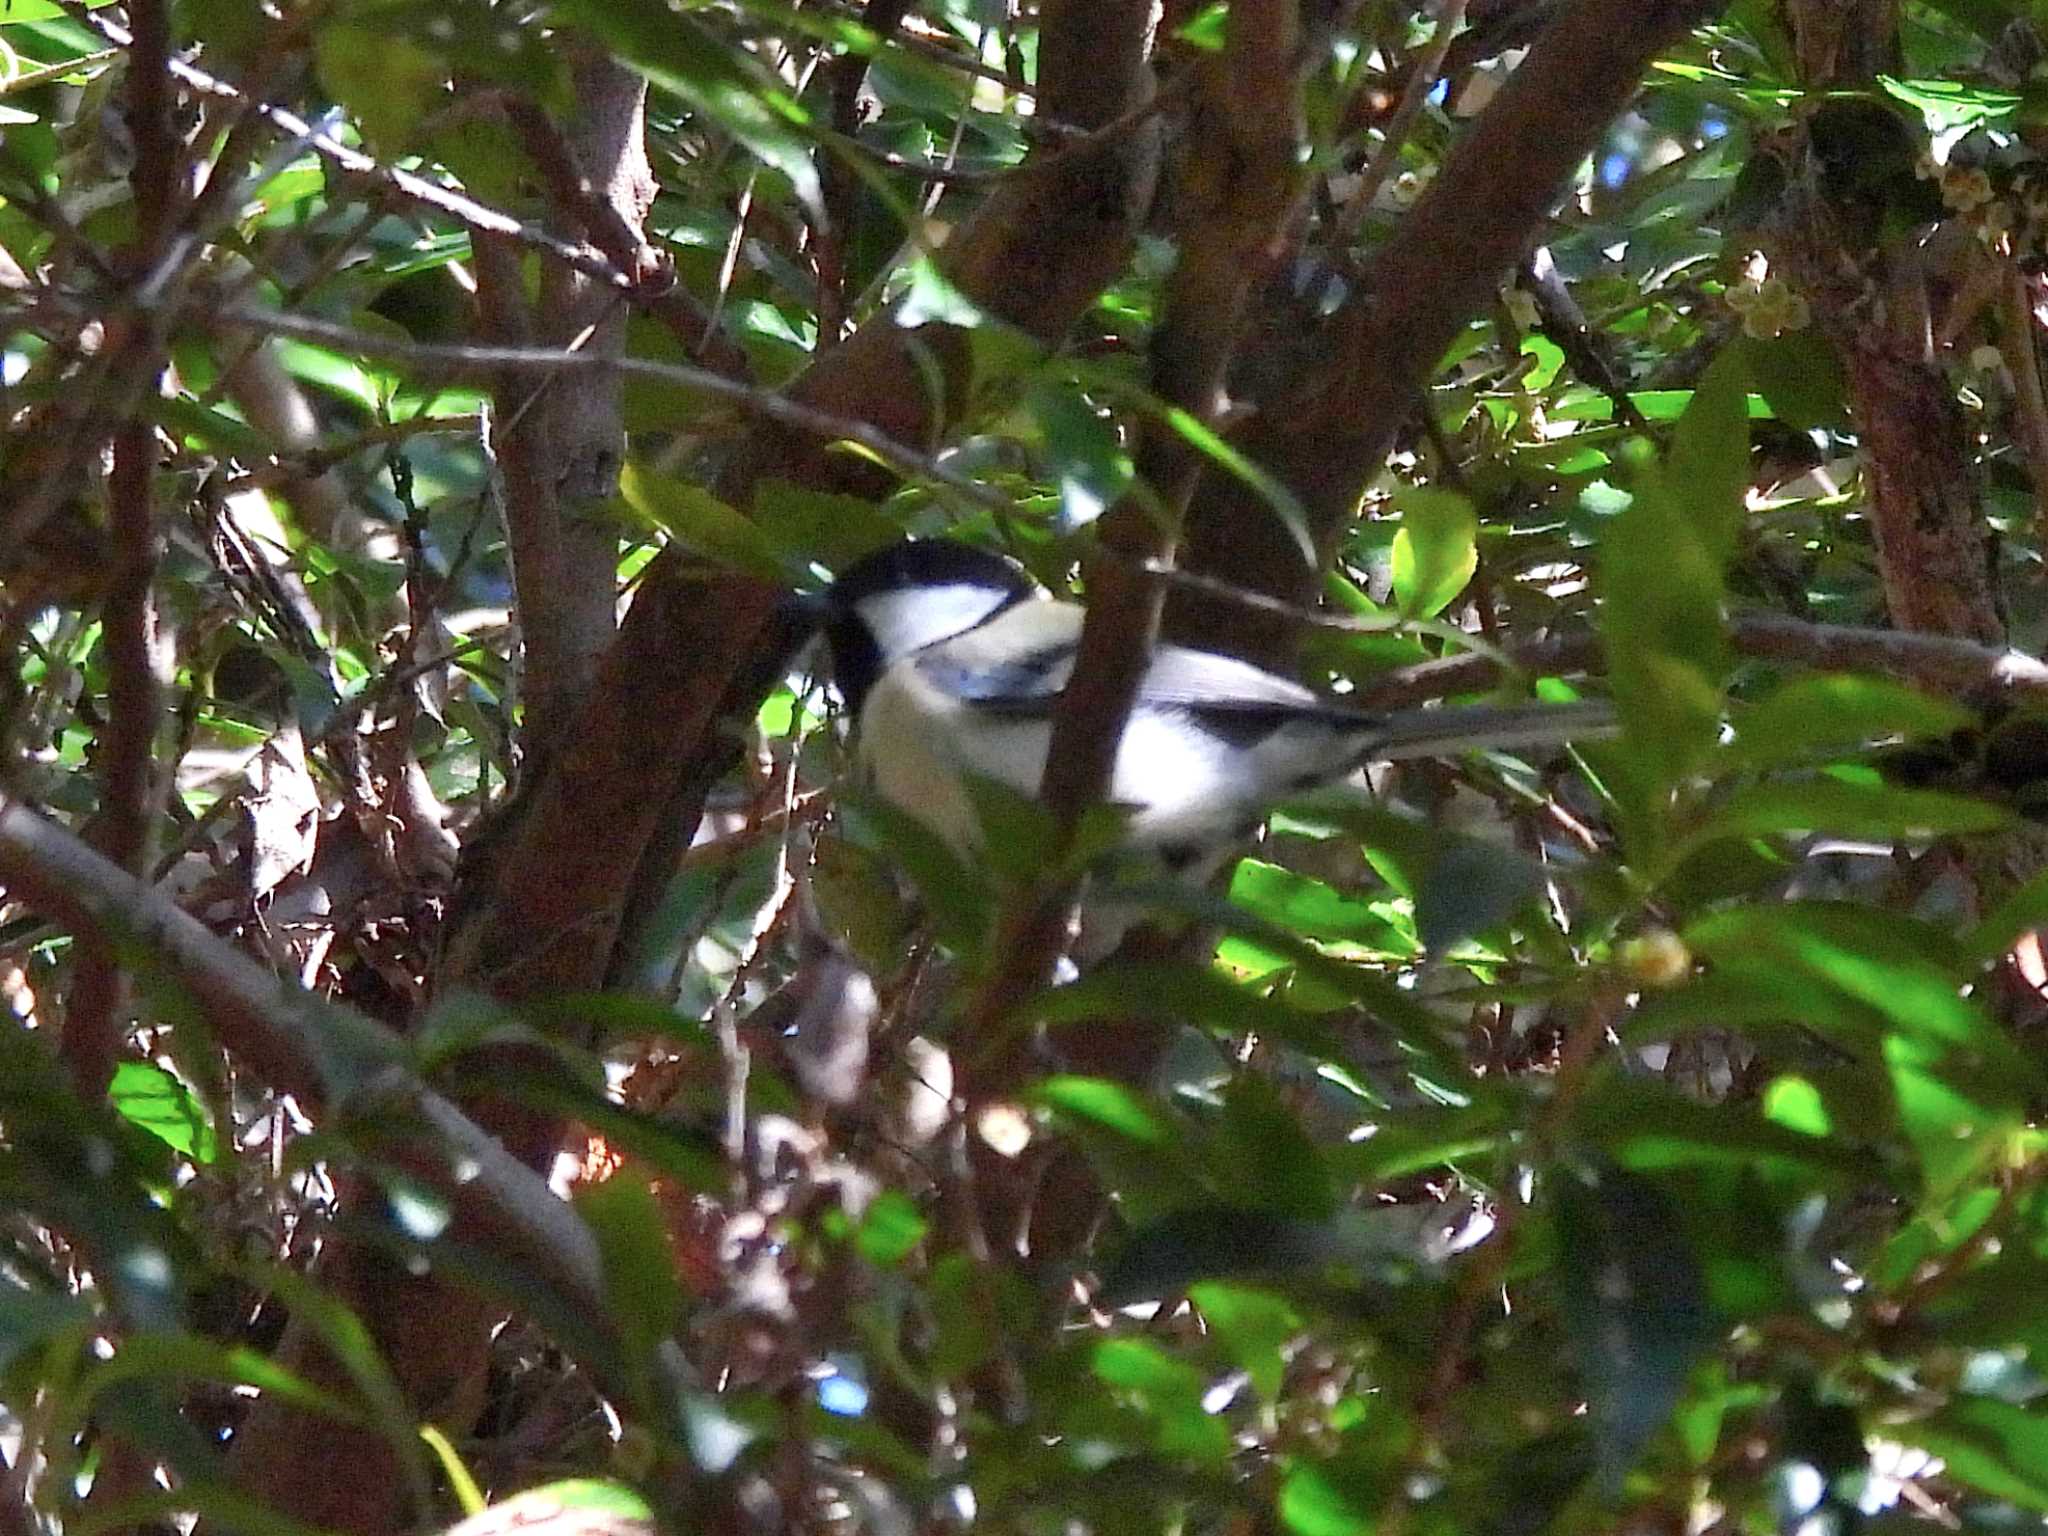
(1881, 961)
(1646, 1129)
(688, 1155)
(645, 1299)
(1206, 28)
(1313, 909)
(959, 895)
(1088, 461)
(699, 521)
(2020, 913)
(1995, 1447)
(1708, 471)
(386, 79)
(1661, 626)
(1169, 1392)
(1946, 105)
(1793, 1102)
(1435, 551)
(1814, 715)
(1112, 1106)
(1960, 1114)
(145, 1094)
(1337, 1499)
(1424, 1138)
(965, 1335)
(578, 1504)
(1635, 1302)
(805, 526)
(890, 1229)
(1845, 808)
(1254, 1326)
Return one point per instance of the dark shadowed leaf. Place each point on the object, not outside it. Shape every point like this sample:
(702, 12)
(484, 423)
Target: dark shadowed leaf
(1468, 888)
(1799, 374)
(1265, 1158)
(1636, 1304)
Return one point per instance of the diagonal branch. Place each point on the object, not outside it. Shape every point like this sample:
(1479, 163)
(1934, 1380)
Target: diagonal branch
(327, 1057)
(1327, 431)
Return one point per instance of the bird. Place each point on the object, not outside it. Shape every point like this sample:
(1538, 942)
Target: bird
(950, 660)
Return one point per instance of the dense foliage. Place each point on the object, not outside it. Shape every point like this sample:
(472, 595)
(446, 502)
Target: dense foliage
(468, 1034)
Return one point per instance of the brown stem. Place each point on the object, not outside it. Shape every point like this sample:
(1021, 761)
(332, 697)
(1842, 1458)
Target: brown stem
(2021, 349)
(95, 1018)
(601, 184)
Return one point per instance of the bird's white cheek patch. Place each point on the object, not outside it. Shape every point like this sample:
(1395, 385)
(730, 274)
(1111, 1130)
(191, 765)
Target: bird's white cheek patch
(915, 617)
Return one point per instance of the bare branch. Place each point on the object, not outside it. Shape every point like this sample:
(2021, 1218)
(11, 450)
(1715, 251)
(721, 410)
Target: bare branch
(815, 424)
(592, 204)
(328, 1058)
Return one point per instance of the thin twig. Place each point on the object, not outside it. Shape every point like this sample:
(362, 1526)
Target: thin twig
(1421, 81)
(751, 398)
(457, 205)
(318, 458)
(651, 270)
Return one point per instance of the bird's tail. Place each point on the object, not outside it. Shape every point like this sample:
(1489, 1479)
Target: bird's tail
(1483, 728)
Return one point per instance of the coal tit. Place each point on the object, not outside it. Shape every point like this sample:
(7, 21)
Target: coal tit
(951, 658)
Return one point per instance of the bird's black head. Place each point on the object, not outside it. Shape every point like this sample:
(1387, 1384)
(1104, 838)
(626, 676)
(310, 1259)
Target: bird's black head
(909, 595)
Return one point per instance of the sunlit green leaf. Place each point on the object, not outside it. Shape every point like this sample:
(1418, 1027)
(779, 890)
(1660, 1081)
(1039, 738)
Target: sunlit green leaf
(1436, 550)
(148, 1096)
